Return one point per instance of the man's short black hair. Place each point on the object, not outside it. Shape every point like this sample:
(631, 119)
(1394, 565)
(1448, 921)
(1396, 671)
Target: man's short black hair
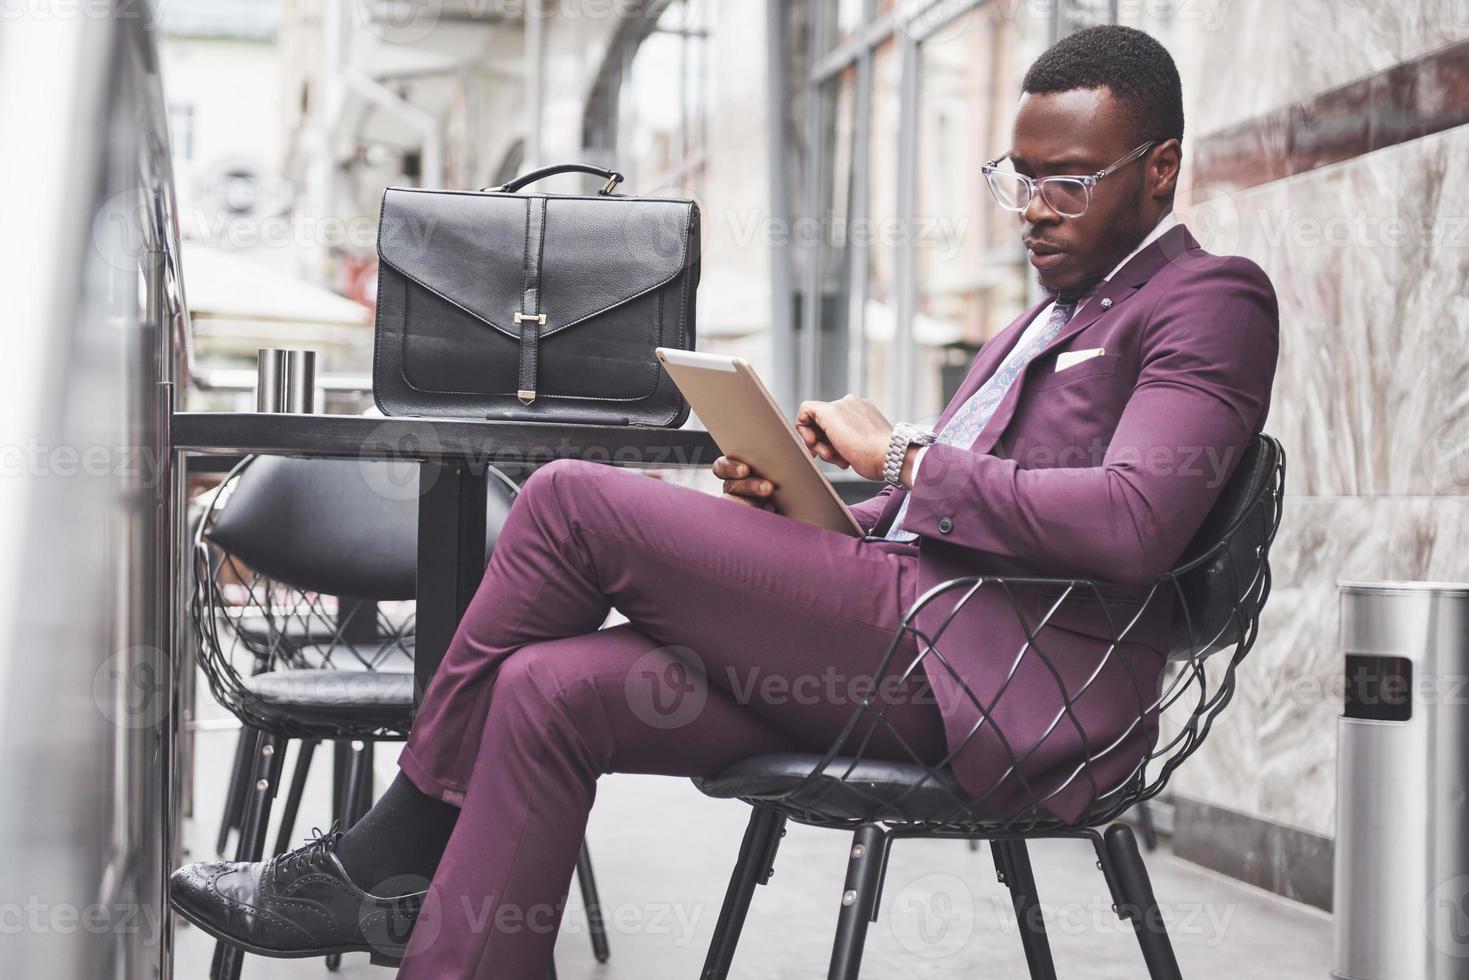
(1131, 63)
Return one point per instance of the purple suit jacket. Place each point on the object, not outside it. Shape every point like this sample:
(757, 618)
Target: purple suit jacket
(1103, 470)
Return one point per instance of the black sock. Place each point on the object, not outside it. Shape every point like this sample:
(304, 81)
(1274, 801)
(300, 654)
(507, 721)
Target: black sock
(395, 848)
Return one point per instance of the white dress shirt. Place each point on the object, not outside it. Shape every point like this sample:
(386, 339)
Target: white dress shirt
(1039, 322)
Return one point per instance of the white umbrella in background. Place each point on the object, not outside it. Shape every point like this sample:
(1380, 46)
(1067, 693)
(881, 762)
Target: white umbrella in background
(238, 306)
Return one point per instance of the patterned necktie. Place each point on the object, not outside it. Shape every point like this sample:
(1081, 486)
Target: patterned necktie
(964, 425)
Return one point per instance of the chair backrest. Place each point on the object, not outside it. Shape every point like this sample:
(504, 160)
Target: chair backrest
(1225, 576)
(341, 527)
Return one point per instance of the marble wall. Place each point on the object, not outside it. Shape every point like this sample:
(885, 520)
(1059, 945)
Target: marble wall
(1370, 259)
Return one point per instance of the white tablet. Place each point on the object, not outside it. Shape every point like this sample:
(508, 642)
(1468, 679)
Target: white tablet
(748, 425)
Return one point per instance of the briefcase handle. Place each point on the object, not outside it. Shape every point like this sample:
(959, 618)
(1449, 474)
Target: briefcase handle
(510, 187)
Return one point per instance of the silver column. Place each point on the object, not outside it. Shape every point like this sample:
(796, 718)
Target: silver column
(1402, 837)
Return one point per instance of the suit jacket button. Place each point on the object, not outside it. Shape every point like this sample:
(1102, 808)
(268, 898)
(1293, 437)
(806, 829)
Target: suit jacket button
(945, 525)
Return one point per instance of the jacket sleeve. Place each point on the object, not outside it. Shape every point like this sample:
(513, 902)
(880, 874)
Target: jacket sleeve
(1206, 364)
(867, 511)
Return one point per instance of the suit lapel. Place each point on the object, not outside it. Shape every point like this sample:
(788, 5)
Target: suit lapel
(988, 360)
(985, 362)
(1128, 280)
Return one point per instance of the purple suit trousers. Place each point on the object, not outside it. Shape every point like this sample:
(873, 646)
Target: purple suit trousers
(747, 633)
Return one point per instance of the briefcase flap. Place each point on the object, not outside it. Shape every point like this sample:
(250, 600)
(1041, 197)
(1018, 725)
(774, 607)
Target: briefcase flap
(596, 253)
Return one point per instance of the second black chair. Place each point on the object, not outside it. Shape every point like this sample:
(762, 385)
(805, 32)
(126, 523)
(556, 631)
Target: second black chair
(304, 583)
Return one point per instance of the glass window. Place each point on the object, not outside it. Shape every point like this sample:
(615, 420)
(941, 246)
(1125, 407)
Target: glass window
(968, 267)
(838, 107)
(664, 100)
(1076, 14)
(839, 20)
(911, 182)
(880, 231)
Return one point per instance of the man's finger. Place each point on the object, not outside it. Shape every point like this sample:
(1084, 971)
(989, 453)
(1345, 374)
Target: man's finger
(811, 433)
(750, 487)
(729, 467)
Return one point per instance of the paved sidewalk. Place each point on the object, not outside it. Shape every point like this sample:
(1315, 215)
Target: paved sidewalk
(663, 854)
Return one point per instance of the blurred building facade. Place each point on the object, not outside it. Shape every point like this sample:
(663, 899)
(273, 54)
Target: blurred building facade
(851, 246)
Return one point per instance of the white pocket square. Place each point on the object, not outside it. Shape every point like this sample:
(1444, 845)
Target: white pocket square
(1069, 358)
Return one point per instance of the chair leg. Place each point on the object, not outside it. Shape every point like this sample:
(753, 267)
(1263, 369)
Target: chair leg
(859, 896)
(1135, 901)
(754, 866)
(595, 924)
(341, 770)
(217, 961)
(267, 765)
(355, 774)
(366, 780)
(359, 781)
(1146, 825)
(293, 796)
(235, 794)
(1012, 863)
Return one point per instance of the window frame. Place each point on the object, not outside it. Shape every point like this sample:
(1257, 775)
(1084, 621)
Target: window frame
(909, 25)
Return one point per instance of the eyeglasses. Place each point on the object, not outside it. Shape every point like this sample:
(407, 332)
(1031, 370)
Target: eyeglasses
(1067, 196)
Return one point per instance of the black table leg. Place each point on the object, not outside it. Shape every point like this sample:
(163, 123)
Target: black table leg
(451, 559)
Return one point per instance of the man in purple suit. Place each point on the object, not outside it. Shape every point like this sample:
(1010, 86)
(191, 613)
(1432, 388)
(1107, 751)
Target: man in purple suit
(1090, 438)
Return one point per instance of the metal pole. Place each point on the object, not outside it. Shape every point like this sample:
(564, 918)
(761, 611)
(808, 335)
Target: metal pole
(782, 327)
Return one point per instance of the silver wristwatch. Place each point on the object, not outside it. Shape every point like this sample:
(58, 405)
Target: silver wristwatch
(904, 435)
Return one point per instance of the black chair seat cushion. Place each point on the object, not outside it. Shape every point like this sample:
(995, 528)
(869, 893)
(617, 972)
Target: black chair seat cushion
(355, 698)
(847, 790)
(328, 658)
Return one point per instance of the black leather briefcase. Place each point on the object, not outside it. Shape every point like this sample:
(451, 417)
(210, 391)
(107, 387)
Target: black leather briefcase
(538, 307)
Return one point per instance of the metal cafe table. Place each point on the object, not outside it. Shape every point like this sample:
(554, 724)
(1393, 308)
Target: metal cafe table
(452, 456)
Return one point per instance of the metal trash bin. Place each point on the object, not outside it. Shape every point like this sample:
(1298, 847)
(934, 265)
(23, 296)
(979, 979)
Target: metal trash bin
(1402, 825)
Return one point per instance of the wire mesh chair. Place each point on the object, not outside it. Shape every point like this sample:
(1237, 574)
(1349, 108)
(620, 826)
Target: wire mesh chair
(1213, 600)
(303, 611)
(302, 573)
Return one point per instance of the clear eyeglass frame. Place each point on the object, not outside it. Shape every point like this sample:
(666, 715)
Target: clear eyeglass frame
(1065, 188)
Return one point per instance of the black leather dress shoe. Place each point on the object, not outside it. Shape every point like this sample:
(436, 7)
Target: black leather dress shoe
(298, 904)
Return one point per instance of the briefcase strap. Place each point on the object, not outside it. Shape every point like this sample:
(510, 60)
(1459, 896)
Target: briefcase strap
(530, 319)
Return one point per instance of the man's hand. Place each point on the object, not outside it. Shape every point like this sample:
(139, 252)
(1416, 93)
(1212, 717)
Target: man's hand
(849, 432)
(743, 485)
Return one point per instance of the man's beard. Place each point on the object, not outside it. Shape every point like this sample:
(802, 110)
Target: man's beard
(1070, 294)
(1122, 243)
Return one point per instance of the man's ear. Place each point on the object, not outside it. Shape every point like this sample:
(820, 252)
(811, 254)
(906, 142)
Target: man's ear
(1163, 168)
